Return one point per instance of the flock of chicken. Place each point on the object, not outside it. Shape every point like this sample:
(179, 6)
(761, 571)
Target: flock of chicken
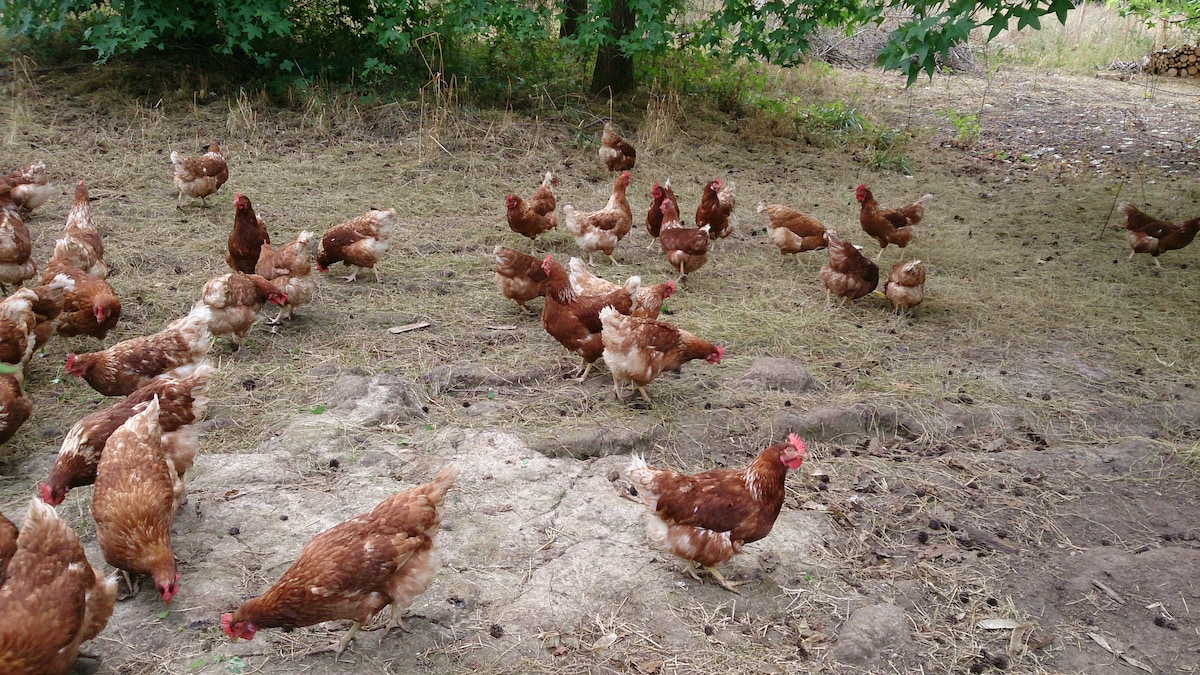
(596, 319)
(137, 451)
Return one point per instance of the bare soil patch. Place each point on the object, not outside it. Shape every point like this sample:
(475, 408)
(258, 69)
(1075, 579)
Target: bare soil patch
(1004, 480)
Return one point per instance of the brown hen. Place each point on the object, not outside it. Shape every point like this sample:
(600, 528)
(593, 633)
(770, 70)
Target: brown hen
(1148, 234)
(848, 274)
(353, 570)
(707, 518)
(199, 177)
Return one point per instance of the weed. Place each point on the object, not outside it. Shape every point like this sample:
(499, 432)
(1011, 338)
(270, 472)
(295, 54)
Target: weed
(966, 127)
(888, 151)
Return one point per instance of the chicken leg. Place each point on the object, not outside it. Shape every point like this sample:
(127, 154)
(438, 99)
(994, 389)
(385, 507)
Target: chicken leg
(355, 269)
(587, 368)
(280, 316)
(340, 645)
(728, 585)
(396, 621)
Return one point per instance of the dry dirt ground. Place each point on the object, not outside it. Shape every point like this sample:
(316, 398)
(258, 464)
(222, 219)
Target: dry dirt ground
(1006, 480)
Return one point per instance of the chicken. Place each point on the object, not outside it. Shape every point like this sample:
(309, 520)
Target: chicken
(52, 599)
(234, 301)
(615, 152)
(130, 364)
(30, 186)
(905, 285)
(289, 267)
(353, 570)
(81, 245)
(647, 303)
(574, 319)
(792, 231)
(199, 177)
(848, 274)
(137, 492)
(358, 242)
(1147, 234)
(601, 230)
(518, 276)
(536, 216)
(654, 215)
(717, 202)
(15, 406)
(182, 400)
(246, 238)
(706, 518)
(638, 350)
(17, 324)
(90, 305)
(686, 248)
(542, 200)
(48, 308)
(889, 226)
(8, 544)
(16, 246)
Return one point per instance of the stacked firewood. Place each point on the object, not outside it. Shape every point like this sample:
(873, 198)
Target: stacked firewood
(1176, 62)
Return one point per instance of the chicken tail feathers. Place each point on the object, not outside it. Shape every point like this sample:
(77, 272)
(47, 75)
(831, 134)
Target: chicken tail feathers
(443, 481)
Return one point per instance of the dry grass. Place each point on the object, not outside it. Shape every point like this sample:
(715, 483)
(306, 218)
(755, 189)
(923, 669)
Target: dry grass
(1093, 36)
(1028, 316)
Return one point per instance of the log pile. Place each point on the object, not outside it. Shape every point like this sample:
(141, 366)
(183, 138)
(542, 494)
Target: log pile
(1176, 62)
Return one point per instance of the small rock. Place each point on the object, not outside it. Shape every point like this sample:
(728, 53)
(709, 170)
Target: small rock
(874, 637)
(778, 374)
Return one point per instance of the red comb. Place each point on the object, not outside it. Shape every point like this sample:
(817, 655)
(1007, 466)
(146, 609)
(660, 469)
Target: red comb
(798, 444)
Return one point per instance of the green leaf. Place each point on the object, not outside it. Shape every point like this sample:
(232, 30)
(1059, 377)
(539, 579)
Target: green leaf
(163, 614)
(318, 409)
(197, 664)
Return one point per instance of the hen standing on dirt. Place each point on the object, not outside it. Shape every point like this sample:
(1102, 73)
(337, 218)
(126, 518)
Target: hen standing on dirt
(246, 238)
(889, 226)
(1148, 234)
(848, 274)
(574, 319)
(706, 518)
(615, 152)
(134, 502)
(199, 177)
(353, 570)
(358, 242)
(51, 599)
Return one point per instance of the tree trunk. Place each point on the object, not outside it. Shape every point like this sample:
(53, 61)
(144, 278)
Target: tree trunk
(571, 11)
(614, 69)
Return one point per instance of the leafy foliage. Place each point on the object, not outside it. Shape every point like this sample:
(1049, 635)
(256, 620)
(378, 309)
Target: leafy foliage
(374, 40)
(1183, 13)
(936, 27)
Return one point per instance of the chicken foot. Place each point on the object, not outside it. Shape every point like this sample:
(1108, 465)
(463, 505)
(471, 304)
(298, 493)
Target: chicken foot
(1157, 264)
(587, 367)
(280, 316)
(729, 585)
(621, 397)
(340, 646)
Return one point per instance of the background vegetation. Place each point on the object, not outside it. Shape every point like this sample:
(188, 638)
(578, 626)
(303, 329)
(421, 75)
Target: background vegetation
(396, 44)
